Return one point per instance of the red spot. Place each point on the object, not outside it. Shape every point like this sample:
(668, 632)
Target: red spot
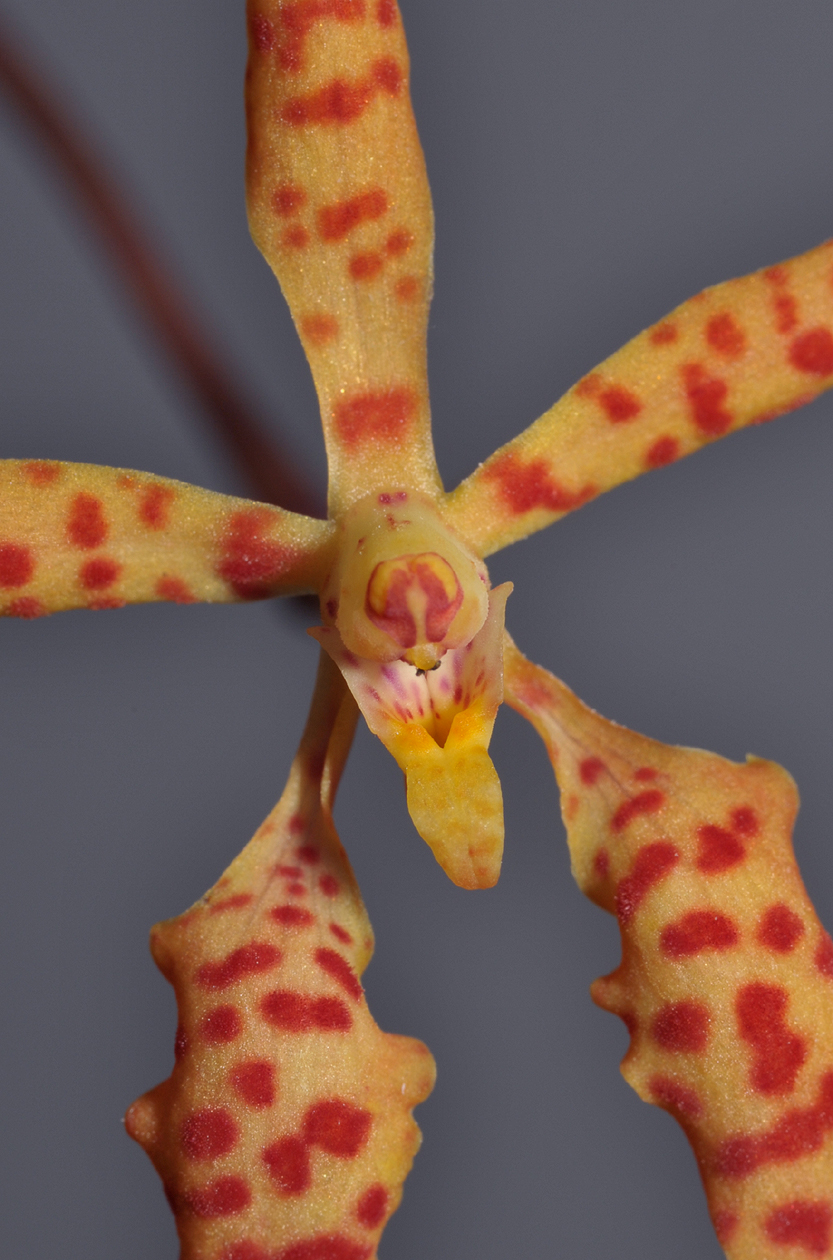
(105, 602)
(337, 1127)
(325, 1247)
(786, 312)
(725, 1223)
(154, 505)
(802, 1223)
(387, 73)
(41, 473)
(414, 582)
(399, 242)
(620, 404)
(329, 885)
(295, 237)
(254, 1082)
(209, 1133)
(339, 968)
(664, 334)
(26, 607)
(339, 101)
(298, 19)
(718, 849)
(776, 275)
(696, 931)
(813, 352)
(664, 451)
(524, 487)
(408, 288)
(372, 1207)
(252, 563)
(652, 863)
(678, 1099)
(330, 1014)
(319, 329)
(339, 219)
(235, 902)
(244, 961)
(780, 929)
(308, 854)
(681, 1027)
(386, 12)
(590, 769)
(292, 916)
(647, 802)
(174, 589)
(263, 37)
(601, 864)
(226, 1196)
(797, 1133)
(645, 774)
(98, 574)
(221, 1024)
(288, 1163)
(365, 266)
(341, 934)
(588, 386)
(824, 955)
(382, 415)
(706, 396)
(298, 1012)
(296, 890)
(724, 335)
(16, 565)
(245, 1251)
(289, 872)
(778, 1053)
(744, 820)
(86, 527)
(288, 200)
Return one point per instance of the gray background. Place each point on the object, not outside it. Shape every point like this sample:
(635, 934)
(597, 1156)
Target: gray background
(593, 164)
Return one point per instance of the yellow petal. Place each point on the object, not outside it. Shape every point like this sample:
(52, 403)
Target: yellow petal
(81, 536)
(340, 206)
(726, 980)
(438, 726)
(286, 1122)
(737, 354)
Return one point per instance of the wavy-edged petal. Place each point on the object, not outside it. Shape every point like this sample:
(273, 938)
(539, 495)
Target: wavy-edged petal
(285, 1128)
(726, 979)
(340, 206)
(438, 726)
(736, 354)
(84, 536)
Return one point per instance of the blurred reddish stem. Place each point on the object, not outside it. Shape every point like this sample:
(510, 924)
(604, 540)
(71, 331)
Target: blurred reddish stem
(269, 467)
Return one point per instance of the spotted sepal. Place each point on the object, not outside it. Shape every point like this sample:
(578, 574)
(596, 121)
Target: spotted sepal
(285, 1130)
(737, 354)
(340, 207)
(726, 979)
(82, 536)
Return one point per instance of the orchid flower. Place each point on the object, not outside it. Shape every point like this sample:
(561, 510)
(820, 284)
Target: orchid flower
(710, 902)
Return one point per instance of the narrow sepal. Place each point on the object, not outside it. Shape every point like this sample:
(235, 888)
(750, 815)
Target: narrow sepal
(83, 536)
(340, 206)
(736, 354)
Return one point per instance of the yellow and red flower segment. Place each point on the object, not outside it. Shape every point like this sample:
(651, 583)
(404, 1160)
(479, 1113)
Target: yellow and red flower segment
(284, 1131)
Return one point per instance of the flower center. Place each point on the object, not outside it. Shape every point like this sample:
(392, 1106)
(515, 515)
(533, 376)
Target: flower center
(414, 599)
